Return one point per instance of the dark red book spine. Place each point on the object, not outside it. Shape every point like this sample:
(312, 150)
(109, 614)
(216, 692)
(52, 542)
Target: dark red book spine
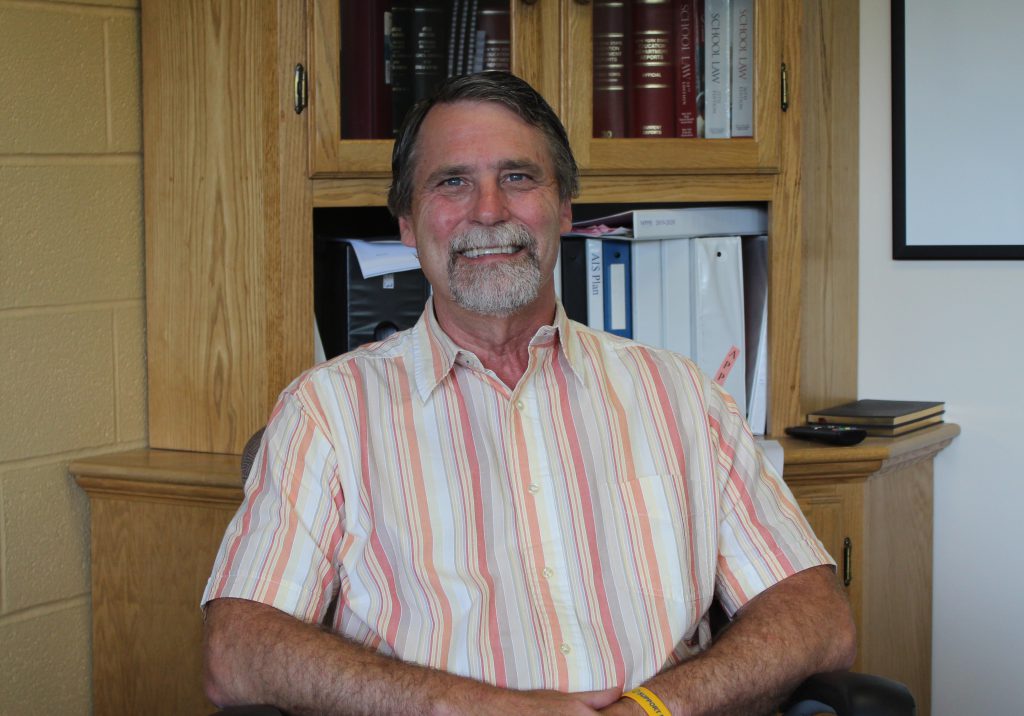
(610, 75)
(494, 21)
(365, 94)
(653, 68)
(686, 70)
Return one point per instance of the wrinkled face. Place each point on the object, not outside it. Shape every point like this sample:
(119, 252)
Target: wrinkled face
(486, 216)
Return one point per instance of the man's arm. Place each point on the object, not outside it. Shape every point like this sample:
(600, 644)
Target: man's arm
(799, 627)
(256, 654)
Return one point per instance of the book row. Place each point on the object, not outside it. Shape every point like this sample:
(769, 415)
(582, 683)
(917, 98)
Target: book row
(396, 52)
(673, 68)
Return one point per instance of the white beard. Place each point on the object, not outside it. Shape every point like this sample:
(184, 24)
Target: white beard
(497, 289)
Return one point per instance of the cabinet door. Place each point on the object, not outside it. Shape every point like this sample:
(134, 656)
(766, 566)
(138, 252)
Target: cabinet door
(606, 41)
(357, 97)
(835, 511)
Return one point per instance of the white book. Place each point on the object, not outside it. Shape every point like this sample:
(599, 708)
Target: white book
(742, 48)
(717, 64)
(682, 222)
(718, 342)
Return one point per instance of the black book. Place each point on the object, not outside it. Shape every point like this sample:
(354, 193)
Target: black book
(430, 28)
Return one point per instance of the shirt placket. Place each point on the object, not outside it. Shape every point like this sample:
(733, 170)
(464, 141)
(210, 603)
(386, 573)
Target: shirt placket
(549, 578)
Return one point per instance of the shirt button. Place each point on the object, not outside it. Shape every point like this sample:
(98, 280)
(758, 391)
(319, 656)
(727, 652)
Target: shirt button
(565, 648)
(519, 405)
(548, 572)
(533, 489)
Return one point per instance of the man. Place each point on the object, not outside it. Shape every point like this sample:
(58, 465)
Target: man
(510, 512)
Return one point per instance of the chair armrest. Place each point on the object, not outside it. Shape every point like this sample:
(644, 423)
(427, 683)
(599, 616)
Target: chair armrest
(852, 694)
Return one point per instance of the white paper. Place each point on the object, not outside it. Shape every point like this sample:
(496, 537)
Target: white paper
(377, 258)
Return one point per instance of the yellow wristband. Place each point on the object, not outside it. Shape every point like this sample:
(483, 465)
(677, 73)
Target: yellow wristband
(650, 703)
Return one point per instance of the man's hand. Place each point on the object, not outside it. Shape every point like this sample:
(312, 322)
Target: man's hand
(502, 702)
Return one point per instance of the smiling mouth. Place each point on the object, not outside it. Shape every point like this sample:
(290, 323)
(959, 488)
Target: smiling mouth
(492, 251)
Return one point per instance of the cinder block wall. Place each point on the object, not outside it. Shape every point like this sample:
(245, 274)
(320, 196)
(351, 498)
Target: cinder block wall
(72, 348)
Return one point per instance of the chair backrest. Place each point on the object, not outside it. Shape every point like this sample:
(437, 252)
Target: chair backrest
(249, 453)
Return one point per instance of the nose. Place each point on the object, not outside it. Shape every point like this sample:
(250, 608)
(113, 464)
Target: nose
(490, 204)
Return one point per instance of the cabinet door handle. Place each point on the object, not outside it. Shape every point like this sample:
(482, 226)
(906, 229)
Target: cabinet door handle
(301, 88)
(784, 80)
(847, 562)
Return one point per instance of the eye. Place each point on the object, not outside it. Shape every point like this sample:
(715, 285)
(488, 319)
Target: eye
(453, 181)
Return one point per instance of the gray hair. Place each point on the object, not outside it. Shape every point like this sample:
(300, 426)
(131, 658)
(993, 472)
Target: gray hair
(500, 88)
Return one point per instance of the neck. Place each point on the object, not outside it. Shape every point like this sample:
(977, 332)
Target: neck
(500, 342)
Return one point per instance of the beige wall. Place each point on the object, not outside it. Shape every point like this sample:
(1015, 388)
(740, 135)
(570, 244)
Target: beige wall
(72, 350)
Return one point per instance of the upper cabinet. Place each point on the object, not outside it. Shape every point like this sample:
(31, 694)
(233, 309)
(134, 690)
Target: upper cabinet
(370, 59)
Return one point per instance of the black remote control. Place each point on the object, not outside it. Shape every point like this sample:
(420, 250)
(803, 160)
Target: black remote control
(831, 434)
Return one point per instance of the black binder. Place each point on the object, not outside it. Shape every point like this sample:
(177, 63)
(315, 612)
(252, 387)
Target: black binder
(352, 310)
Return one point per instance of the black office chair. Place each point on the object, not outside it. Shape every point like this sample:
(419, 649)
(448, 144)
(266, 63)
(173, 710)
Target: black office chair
(844, 693)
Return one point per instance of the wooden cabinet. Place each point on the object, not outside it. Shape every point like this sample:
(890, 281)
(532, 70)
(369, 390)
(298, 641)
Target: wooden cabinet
(232, 175)
(871, 505)
(158, 516)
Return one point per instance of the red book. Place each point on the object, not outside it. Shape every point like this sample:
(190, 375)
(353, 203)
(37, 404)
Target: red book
(365, 94)
(652, 71)
(493, 21)
(687, 73)
(610, 53)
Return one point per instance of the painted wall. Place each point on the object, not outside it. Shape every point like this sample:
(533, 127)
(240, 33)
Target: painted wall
(72, 311)
(951, 331)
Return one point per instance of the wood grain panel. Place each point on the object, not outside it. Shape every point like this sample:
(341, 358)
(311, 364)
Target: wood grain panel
(829, 210)
(150, 563)
(898, 579)
(218, 225)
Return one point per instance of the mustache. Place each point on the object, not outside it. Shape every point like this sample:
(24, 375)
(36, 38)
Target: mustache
(499, 236)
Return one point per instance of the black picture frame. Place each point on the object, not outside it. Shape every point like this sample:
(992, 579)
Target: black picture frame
(901, 250)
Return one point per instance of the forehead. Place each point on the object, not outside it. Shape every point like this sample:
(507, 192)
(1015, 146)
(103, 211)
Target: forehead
(468, 132)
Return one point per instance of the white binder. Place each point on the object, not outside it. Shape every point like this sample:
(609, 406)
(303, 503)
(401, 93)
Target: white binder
(661, 294)
(717, 336)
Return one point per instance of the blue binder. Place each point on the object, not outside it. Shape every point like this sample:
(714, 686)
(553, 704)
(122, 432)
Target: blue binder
(618, 294)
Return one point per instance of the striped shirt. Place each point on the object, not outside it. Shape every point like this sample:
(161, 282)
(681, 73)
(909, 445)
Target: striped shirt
(569, 533)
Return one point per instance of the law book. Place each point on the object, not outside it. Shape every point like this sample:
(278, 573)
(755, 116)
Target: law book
(742, 49)
(686, 68)
(454, 19)
(717, 75)
(652, 73)
(365, 94)
(685, 221)
(494, 22)
(467, 44)
(582, 280)
(877, 412)
(610, 69)
(401, 64)
(431, 27)
(616, 280)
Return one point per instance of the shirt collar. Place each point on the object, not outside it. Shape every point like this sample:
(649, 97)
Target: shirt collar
(435, 354)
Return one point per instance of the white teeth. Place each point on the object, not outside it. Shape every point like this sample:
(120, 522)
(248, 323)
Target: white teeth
(474, 253)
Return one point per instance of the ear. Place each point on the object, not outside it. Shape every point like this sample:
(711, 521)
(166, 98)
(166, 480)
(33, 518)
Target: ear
(405, 232)
(565, 216)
